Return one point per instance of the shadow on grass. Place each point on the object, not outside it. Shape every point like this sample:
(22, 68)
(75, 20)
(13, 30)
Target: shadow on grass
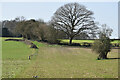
(113, 58)
(108, 59)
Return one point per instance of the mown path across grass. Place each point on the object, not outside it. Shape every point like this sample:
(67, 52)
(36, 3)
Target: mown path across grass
(53, 61)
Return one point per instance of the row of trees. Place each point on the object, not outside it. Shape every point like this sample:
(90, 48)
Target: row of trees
(38, 30)
(34, 29)
(8, 28)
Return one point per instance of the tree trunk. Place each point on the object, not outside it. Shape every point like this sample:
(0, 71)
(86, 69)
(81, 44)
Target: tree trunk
(102, 56)
(70, 42)
(23, 37)
(42, 38)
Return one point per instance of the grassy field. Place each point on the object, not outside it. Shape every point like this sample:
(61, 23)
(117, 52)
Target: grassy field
(14, 57)
(54, 61)
(82, 41)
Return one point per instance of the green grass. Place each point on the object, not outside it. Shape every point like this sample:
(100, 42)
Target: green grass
(42, 44)
(3, 38)
(54, 61)
(77, 41)
(14, 57)
(82, 41)
(116, 41)
(18, 49)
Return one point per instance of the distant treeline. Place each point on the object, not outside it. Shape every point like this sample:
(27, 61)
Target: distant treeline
(9, 29)
(37, 30)
(19, 27)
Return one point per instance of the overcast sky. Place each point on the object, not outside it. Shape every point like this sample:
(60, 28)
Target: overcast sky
(104, 12)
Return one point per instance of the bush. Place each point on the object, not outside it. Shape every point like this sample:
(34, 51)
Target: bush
(102, 47)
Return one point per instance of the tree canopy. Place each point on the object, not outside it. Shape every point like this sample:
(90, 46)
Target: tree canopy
(73, 18)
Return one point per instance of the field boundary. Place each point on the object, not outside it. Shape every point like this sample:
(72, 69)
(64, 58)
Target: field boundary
(28, 42)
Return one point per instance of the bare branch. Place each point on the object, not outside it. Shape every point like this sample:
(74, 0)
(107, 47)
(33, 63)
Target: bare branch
(73, 18)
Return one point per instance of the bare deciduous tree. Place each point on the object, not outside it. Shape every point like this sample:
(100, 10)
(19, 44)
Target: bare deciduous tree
(73, 18)
(20, 18)
(40, 31)
(25, 28)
